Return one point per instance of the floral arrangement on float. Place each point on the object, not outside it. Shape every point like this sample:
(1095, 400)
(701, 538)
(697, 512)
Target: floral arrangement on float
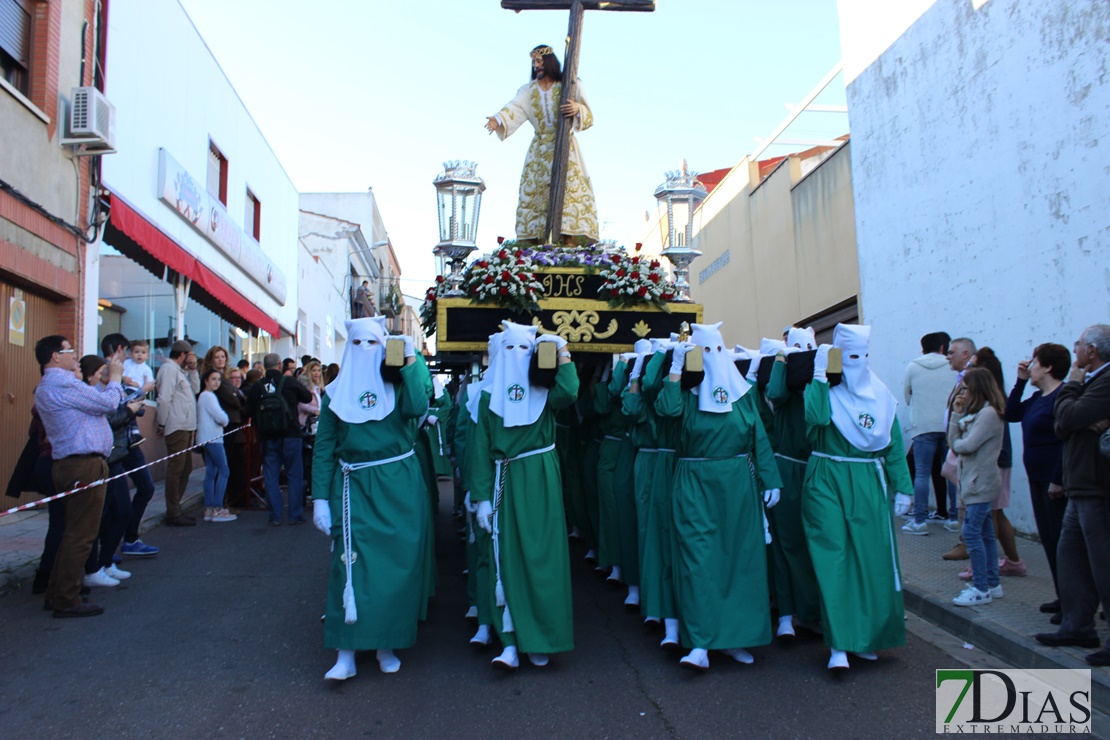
(506, 277)
(631, 281)
(428, 307)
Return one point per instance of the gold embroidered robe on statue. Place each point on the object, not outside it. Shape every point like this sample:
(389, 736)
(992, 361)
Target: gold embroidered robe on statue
(541, 108)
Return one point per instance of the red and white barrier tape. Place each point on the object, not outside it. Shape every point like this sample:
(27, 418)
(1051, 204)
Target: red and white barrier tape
(102, 481)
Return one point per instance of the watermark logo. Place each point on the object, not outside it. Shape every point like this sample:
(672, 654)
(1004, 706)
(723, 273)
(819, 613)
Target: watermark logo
(1013, 701)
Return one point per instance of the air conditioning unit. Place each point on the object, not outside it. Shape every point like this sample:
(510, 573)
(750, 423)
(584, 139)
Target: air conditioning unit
(91, 124)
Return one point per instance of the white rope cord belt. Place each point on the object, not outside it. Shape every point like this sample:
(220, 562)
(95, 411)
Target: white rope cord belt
(880, 469)
(614, 438)
(791, 459)
(501, 468)
(350, 611)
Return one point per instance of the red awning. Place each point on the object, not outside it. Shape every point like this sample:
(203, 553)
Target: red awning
(166, 251)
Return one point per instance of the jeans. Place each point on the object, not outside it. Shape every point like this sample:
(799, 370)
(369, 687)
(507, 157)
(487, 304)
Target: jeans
(276, 453)
(1049, 515)
(927, 448)
(215, 475)
(144, 490)
(982, 547)
(1083, 560)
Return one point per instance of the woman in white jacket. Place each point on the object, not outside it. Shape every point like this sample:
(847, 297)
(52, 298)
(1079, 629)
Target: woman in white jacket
(211, 420)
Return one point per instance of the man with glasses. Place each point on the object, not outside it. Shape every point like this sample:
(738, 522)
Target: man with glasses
(74, 415)
(1082, 415)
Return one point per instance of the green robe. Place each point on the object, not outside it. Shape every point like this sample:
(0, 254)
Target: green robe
(720, 549)
(534, 559)
(478, 546)
(653, 473)
(616, 497)
(440, 444)
(389, 521)
(792, 577)
(849, 522)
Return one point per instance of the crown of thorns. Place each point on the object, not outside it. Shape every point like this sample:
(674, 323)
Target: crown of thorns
(541, 52)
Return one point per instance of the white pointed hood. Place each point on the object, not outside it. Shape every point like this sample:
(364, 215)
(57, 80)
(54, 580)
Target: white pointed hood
(474, 395)
(722, 385)
(863, 407)
(358, 393)
(512, 396)
(801, 340)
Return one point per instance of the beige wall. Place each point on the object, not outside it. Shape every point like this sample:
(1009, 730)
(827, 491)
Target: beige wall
(791, 243)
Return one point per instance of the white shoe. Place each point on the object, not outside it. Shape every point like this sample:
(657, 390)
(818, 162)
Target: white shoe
(866, 656)
(996, 592)
(652, 621)
(972, 596)
(786, 626)
(223, 515)
(507, 660)
(481, 637)
(100, 579)
(838, 660)
(697, 659)
(538, 659)
(344, 667)
(912, 527)
(614, 578)
(471, 613)
(670, 642)
(388, 662)
(119, 574)
(633, 598)
(740, 655)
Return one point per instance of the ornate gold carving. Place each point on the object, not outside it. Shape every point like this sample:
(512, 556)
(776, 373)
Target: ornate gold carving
(641, 329)
(585, 331)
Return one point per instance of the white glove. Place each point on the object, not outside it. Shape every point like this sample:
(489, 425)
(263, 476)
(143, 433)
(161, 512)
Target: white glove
(321, 515)
(485, 516)
(627, 357)
(771, 497)
(642, 346)
(559, 341)
(470, 505)
(433, 420)
(821, 364)
(681, 349)
(637, 368)
(902, 503)
(410, 346)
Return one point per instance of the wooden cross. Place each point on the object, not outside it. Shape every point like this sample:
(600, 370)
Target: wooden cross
(577, 9)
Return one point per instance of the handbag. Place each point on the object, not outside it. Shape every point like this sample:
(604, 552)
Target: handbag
(949, 469)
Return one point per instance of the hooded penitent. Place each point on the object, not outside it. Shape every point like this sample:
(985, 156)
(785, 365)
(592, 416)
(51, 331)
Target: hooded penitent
(474, 395)
(512, 396)
(722, 385)
(358, 393)
(800, 340)
(862, 406)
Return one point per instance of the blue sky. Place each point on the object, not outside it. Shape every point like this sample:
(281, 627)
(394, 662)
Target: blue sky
(358, 93)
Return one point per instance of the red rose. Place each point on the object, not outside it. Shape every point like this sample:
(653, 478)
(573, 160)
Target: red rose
(500, 240)
(653, 278)
(667, 296)
(502, 254)
(520, 260)
(616, 258)
(636, 275)
(475, 290)
(621, 272)
(503, 290)
(642, 291)
(439, 278)
(483, 264)
(505, 275)
(488, 279)
(639, 246)
(636, 260)
(654, 264)
(614, 292)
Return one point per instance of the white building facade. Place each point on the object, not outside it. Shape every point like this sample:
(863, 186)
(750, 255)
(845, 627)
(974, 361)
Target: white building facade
(980, 143)
(198, 198)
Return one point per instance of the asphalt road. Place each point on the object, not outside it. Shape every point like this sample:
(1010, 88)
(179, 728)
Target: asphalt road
(220, 636)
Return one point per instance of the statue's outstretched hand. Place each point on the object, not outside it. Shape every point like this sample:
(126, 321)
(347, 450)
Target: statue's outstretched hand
(491, 124)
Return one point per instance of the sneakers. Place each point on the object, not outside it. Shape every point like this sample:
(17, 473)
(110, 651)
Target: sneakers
(996, 592)
(965, 574)
(138, 549)
(1007, 567)
(935, 517)
(118, 573)
(223, 515)
(959, 552)
(100, 579)
(919, 528)
(952, 525)
(972, 596)
(208, 513)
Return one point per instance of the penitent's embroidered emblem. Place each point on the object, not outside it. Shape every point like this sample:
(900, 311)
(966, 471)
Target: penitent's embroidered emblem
(866, 421)
(368, 400)
(516, 393)
(720, 395)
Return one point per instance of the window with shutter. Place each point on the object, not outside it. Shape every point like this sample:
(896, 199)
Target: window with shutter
(15, 44)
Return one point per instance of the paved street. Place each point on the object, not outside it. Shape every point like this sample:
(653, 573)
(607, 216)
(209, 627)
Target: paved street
(220, 636)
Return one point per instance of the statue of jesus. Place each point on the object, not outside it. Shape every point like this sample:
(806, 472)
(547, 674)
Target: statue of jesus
(538, 103)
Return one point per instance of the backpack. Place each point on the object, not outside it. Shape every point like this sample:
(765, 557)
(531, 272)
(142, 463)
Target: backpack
(272, 419)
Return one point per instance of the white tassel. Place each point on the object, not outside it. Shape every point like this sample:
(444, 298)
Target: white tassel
(499, 593)
(766, 529)
(506, 621)
(350, 615)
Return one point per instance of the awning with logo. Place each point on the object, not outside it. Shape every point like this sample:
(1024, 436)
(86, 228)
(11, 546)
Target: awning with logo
(136, 237)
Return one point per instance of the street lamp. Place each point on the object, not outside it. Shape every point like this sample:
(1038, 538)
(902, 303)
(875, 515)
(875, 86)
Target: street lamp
(459, 199)
(682, 193)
